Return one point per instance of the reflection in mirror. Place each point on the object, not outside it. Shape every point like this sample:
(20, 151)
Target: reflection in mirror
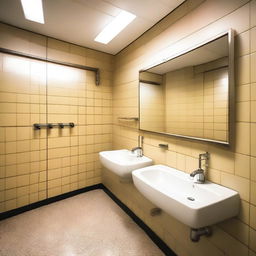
(188, 95)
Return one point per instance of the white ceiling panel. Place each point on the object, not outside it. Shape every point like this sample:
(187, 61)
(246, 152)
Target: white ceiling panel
(80, 21)
(148, 9)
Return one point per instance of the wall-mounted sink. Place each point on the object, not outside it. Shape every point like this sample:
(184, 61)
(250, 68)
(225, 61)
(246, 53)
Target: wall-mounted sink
(196, 205)
(122, 162)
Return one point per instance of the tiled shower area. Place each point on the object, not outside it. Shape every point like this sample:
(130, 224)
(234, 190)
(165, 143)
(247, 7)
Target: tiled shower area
(41, 163)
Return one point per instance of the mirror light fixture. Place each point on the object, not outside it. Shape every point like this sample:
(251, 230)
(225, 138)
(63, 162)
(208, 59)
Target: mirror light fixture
(33, 10)
(115, 27)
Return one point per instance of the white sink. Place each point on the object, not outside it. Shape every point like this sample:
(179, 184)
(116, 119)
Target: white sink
(196, 205)
(122, 162)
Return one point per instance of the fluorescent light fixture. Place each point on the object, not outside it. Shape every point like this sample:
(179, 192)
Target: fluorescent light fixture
(33, 10)
(115, 27)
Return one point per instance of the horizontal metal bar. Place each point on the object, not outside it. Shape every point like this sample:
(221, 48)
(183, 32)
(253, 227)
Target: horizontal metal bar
(39, 126)
(149, 82)
(214, 69)
(165, 146)
(50, 126)
(62, 125)
(68, 64)
(128, 118)
(187, 137)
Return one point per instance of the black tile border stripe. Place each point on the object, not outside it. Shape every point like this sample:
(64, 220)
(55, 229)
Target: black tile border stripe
(151, 234)
(50, 200)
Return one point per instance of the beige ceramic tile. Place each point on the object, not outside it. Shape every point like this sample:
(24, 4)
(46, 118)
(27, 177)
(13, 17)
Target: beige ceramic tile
(252, 11)
(253, 111)
(10, 182)
(180, 162)
(242, 165)
(243, 43)
(243, 111)
(244, 213)
(253, 168)
(243, 92)
(213, 175)
(253, 216)
(228, 244)
(10, 204)
(253, 193)
(21, 201)
(243, 70)
(253, 67)
(171, 158)
(239, 184)
(253, 91)
(252, 243)
(253, 39)
(237, 229)
(243, 138)
(10, 194)
(253, 139)
(222, 160)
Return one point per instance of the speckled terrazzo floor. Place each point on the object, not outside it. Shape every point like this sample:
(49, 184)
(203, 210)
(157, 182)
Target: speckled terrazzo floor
(87, 224)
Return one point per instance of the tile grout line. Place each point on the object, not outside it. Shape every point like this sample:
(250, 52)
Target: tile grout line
(250, 148)
(46, 110)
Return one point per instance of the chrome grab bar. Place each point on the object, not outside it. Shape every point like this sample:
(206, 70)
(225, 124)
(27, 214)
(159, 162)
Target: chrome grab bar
(50, 125)
(128, 118)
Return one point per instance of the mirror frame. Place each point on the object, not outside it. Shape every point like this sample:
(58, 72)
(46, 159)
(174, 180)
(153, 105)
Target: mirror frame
(231, 88)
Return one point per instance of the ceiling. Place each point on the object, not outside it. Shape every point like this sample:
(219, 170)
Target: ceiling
(80, 21)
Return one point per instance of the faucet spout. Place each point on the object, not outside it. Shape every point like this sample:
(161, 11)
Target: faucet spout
(138, 151)
(199, 174)
(198, 171)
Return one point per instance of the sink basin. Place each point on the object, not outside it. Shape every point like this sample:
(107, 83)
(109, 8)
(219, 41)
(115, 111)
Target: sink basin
(122, 162)
(196, 205)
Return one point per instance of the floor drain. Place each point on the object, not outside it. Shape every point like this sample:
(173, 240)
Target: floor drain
(191, 198)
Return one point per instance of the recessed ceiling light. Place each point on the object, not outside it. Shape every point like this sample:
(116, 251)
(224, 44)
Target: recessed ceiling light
(115, 27)
(33, 10)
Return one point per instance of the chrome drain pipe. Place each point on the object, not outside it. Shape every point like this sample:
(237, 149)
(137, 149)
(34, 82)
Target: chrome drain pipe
(196, 233)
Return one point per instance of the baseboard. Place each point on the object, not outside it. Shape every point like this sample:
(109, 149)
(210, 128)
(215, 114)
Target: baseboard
(151, 234)
(11, 213)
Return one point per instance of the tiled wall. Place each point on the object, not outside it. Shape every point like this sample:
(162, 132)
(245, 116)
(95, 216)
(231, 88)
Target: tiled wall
(36, 164)
(235, 167)
(23, 151)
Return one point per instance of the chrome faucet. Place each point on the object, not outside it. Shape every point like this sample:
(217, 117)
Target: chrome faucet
(199, 174)
(138, 151)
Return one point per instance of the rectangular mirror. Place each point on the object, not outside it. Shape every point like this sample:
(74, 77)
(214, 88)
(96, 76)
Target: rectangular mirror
(190, 95)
